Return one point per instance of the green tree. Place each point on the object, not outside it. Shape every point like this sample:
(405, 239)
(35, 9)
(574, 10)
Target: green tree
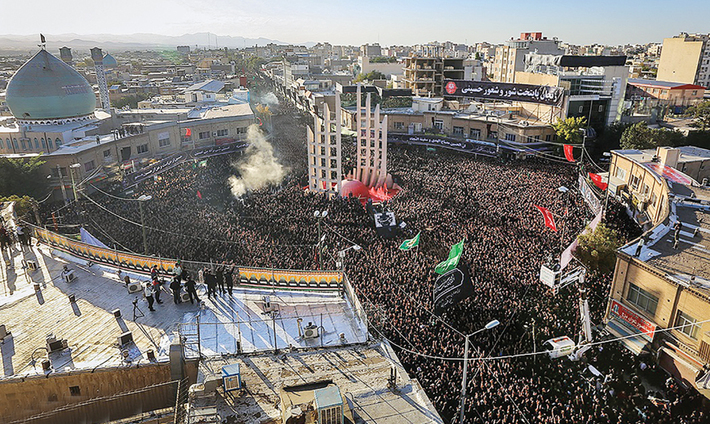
(373, 75)
(640, 136)
(597, 249)
(568, 130)
(701, 113)
(22, 177)
(23, 205)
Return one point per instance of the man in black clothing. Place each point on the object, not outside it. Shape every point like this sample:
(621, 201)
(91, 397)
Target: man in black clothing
(229, 278)
(211, 282)
(175, 287)
(220, 278)
(157, 284)
(191, 291)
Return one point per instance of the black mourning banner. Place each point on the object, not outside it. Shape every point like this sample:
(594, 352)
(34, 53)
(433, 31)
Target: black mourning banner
(506, 91)
(451, 288)
(178, 158)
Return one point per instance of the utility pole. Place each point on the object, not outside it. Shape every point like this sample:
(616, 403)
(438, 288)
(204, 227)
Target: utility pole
(61, 183)
(142, 199)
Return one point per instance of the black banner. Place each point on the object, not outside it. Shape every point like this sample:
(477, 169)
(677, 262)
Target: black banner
(465, 145)
(506, 91)
(451, 288)
(178, 158)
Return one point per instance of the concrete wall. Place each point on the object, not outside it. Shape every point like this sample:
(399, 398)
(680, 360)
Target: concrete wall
(679, 60)
(24, 397)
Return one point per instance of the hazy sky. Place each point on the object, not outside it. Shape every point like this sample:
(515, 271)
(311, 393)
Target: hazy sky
(365, 21)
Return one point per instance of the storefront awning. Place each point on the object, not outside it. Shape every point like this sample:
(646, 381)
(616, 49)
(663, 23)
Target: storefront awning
(636, 343)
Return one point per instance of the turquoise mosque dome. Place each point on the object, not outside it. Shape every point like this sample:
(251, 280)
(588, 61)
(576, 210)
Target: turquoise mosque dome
(47, 88)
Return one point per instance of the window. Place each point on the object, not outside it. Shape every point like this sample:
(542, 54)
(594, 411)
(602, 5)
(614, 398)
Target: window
(242, 130)
(74, 390)
(14, 143)
(635, 181)
(58, 142)
(88, 166)
(643, 299)
(687, 325)
(36, 144)
(548, 137)
(163, 142)
(458, 130)
(44, 143)
(536, 137)
(143, 148)
(205, 134)
(653, 199)
(439, 124)
(24, 146)
(620, 174)
(222, 133)
(475, 133)
(1, 146)
(107, 153)
(399, 125)
(510, 137)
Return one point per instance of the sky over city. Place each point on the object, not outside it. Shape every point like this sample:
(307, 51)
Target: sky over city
(365, 21)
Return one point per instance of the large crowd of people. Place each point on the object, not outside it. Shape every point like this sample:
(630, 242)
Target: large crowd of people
(447, 196)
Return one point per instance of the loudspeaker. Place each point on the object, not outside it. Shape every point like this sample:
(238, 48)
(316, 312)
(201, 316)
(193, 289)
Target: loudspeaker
(125, 338)
(116, 313)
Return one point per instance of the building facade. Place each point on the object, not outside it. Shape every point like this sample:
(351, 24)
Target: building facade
(510, 57)
(685, 58)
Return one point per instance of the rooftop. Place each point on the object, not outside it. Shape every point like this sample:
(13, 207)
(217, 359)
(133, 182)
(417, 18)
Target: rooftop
(664, 84)
(360, 372)
(91, 330)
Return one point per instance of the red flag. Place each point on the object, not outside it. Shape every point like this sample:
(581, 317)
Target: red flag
(549, 219)
(597, 179)
(568, 152)
(199, 194)
(188, 132)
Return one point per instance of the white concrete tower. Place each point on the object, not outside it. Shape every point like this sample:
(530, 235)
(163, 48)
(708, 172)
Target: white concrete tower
(371, 168)
(324, 152)
(98, 57)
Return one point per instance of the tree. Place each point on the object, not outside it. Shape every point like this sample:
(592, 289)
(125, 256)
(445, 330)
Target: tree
(22, 177)
(568, 130)
(597, 249)
(639, 136)
(373, 75)
(701, 113)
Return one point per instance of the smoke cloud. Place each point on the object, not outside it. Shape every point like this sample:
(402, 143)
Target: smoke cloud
(258, 168)
(270, 99)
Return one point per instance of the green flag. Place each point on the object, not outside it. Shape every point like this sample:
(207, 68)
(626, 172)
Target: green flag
(453, 261)
(410, 243)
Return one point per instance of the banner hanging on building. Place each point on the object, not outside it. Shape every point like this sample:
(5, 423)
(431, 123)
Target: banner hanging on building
(451, 288)
(178, 158)
(543, 94)
(589, 197)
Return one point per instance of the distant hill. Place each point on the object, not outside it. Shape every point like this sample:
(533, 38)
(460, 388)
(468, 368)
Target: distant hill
(22, 43)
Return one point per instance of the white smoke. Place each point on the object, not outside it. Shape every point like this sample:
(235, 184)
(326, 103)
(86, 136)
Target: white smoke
(258, 168)
(270, 99)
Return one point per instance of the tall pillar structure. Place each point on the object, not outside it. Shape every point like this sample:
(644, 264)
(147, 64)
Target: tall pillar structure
(371, 168)
(98, 57)
(324, 150)
(66, 56)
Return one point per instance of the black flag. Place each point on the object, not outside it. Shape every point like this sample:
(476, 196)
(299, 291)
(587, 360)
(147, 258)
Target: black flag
(451, 288)
(42, 39)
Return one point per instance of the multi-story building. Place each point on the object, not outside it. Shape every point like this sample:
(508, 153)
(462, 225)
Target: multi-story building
(655, 98)
(510, 57)
(371, 50)
(686, 58)
(660, 296)
(425, 75)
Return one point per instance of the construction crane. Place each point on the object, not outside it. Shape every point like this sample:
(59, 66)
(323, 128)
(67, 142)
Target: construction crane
(564, 346)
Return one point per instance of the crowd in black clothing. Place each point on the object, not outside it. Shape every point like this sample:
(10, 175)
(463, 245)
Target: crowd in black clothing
(447, 196)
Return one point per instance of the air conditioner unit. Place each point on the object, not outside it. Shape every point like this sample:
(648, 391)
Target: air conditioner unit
(32, 265)
(54, 345)
(268, 306)
(134, 287)
(310, 332)
(69, 276)
(125, 338)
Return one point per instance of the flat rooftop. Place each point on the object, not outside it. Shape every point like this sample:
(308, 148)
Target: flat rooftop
(92, 331)
(361, 373)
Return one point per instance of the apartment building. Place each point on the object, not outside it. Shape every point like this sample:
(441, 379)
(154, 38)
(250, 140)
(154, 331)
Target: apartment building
(685, 58)
(659, 301)
(510, 57)
(425, 75)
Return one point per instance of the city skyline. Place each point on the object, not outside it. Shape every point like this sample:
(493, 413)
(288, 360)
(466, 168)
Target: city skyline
(395, 23)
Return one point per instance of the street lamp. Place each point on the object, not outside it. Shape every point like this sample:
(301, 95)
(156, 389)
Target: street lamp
(72, 167)
(144, 198)
(488, 326)
(341, 256)
(319, 215)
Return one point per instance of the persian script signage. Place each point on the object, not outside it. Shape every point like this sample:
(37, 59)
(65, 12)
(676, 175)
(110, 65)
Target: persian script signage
(635, 320)
(543, 94)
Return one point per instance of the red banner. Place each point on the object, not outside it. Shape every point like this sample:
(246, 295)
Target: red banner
(547, 215)
(568, 152)
(597, 179)
(637, 321)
